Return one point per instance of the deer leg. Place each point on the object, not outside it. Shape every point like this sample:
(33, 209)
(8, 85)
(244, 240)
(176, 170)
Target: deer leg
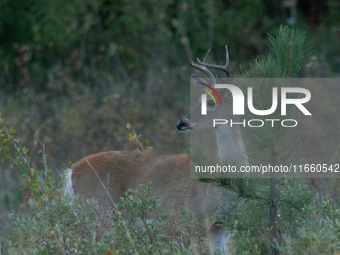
(218, 239)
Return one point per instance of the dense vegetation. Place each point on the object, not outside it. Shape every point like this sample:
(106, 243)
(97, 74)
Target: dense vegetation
(74, 73)
(78, 71)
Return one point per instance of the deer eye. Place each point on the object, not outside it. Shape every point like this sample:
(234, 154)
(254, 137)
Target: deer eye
(211, 103)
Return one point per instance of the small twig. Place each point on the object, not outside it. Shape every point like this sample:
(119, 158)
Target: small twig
(119, 215)
(108, 179)
(41, 180)
(46, 169)
(150, 237)
(147, 228)
(134, 132)
(44, 157)
(12, 160)
(18, 150)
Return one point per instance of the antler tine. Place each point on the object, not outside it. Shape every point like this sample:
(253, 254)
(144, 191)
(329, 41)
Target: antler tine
(205, 70)
(218, 67)
(206, 56)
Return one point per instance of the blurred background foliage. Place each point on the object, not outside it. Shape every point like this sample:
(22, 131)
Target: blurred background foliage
(78, 71)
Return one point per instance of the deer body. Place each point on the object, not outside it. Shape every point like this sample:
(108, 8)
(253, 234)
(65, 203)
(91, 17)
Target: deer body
(169, 174)
(171, 185)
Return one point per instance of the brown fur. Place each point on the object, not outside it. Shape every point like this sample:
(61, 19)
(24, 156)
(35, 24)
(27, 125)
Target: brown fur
(170, 176)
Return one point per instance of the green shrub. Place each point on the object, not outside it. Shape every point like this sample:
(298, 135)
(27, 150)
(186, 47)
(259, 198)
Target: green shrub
(317, 234)
(164, 234)
(60, 226)
(64, 225)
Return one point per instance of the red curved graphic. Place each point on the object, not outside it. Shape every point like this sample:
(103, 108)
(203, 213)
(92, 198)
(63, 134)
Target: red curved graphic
(213, 90)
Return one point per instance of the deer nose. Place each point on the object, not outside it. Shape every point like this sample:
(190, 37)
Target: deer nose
(181, 125)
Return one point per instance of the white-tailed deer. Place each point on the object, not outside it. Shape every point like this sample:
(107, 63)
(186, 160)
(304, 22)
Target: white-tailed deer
(170, 174)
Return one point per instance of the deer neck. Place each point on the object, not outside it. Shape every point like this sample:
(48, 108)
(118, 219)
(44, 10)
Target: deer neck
(230, 145)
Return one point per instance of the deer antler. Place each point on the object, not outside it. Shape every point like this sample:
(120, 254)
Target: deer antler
(218, 67)
(204, 70)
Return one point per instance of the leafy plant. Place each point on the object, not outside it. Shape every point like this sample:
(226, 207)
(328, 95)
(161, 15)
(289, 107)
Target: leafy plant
(133, 137)
(59, 226)
(65, 225)
(40, 183)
